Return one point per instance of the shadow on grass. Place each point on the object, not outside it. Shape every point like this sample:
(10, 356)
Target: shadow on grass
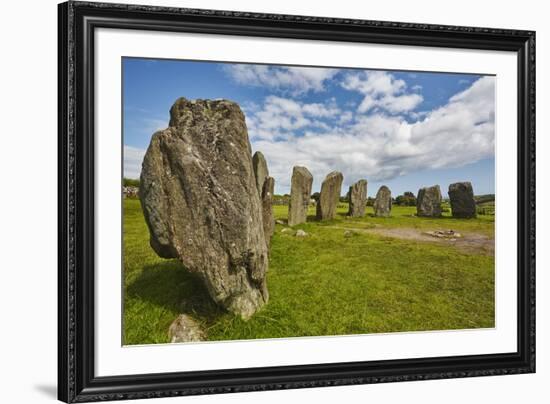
(312, 218)
(444, 217)
(170, 285)
(384, 217)
(414, 216)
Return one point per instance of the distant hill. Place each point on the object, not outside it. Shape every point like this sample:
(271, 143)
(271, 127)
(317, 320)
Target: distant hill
(484, 198)
(485, 204)
(129, 182)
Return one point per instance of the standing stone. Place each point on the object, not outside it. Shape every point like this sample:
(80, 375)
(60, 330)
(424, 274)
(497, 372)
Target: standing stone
(199, 198)
(463, 204)
(260, 170)
(267, 209)
(185, 329)
(428, 202)
(357, 197)
(382, 202)
(329, 196)
(300, 191)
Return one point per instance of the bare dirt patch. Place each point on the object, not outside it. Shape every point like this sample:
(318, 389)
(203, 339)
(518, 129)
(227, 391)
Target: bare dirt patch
(468, 242)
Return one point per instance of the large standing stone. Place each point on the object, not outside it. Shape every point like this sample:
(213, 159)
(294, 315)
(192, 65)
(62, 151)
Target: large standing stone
(428, 202)
(382, 202)
(260, 170)
(463, 203)
(357, 196)
(300, 191)
(329, 196)
(200, 201)
(267, 209)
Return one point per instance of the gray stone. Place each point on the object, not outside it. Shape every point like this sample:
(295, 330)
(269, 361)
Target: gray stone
(428, 202)
(268, 218)
(329, 196)
(357, 196)
(281, 222)
(201, 205)
(300, 191)
(260, 170)
(185, 329)
(463, 204)
(382, 202)
(300, 233)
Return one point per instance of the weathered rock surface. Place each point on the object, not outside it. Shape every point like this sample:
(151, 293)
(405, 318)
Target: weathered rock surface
(260, 170)
(463, 204)
(382, 202)
(267, 209)
(185, 329)
(428, 202)
(300, 233)
(357, 196)
(200, 201)
(300, 191)
(329, 196)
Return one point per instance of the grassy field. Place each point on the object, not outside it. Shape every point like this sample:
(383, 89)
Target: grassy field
(329, 283)
(486, 208)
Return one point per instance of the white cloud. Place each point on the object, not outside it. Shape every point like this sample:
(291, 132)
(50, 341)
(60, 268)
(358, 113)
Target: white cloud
(377, 146)
(391, 103)
(417, 115)
(465, 125)
(295, 80)
(373, 82)
(320, 110)
(346, 117)
(133, 157)
(278, 117)
(380, 147)
(381, 90)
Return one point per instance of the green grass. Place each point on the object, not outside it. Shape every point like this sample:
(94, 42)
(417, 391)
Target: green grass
(486, 208)
(403, 216)
(323, 284)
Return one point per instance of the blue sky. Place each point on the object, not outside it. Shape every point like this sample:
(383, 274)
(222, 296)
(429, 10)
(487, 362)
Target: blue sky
(402, 129)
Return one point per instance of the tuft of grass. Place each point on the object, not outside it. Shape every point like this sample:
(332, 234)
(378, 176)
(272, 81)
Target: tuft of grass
(323, 284)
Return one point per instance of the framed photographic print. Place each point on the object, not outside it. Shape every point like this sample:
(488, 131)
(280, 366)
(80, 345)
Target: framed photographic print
(256, 201)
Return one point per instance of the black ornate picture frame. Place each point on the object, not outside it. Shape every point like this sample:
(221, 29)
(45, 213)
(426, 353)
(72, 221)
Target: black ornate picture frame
(78, 21)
